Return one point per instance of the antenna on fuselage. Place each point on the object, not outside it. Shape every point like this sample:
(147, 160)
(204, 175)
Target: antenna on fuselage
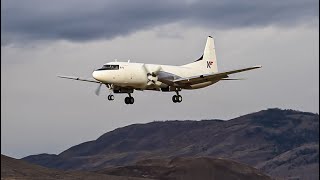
(115, 60)
(129, 61)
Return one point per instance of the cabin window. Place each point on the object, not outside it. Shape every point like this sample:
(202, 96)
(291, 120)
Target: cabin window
(109, 67)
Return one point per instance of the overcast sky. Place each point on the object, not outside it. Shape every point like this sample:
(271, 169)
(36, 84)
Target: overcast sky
(41, 113)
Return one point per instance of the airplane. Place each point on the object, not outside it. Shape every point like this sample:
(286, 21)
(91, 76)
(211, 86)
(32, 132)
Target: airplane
(125, 77)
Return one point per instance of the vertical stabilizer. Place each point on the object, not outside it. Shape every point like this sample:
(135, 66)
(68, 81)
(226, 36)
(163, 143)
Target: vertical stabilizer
(208, 61)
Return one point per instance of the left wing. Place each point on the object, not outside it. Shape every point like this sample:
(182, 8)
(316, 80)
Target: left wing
(79, 79)
(210, 77)
(97, 92)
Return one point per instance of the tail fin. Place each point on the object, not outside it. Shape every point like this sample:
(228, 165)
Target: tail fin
(208, 61)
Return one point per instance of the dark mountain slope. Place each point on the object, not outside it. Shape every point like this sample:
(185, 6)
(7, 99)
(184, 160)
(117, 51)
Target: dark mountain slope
(301, 162)
(252, 139)
(162, 169)
(18, 169)
(189, 169)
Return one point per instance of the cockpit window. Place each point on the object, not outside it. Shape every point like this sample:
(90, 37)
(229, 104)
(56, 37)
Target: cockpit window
(109, 67)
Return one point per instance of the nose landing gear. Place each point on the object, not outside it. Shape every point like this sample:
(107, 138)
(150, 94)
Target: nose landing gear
(110, 97)
(129, 100)
(177, 98)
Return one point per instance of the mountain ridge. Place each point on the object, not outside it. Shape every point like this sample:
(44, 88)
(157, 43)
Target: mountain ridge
(253, 139)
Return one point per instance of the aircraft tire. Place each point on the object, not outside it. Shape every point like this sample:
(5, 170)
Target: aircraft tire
(179, 98)
(174, 98)
(127, 100)
(131, 100)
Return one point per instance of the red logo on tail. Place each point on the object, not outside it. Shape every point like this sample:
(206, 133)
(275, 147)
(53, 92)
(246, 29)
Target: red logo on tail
(209, 63)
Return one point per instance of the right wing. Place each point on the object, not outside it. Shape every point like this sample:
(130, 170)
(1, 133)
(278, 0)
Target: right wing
(79, 79)
(204, 77)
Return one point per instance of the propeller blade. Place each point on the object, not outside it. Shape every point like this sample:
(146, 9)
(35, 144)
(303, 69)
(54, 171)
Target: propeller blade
(145, 68)
(156, 71)
(97, 92)
(153, 72)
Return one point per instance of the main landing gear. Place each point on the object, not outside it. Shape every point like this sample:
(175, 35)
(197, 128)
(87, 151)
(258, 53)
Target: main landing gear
(129, 100)
(177, 98)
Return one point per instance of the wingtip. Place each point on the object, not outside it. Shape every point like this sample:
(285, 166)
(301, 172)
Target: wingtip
(61, 76)
(257, 66)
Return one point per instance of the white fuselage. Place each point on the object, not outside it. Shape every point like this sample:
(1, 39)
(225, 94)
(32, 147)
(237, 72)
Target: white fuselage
(135, 75)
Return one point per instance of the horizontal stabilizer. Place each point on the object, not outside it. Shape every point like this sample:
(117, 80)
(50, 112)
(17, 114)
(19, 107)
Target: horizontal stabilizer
(241, 70)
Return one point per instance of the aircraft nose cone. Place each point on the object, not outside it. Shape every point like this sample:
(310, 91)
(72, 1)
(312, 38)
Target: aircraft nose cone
(95, 75)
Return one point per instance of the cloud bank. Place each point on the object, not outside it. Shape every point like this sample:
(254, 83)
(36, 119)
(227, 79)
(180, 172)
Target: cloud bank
(82, 20)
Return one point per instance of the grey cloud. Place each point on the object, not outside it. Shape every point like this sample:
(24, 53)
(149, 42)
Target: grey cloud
(80, 20)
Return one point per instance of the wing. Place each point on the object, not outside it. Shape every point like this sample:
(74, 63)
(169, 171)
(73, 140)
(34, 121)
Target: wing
(79, 79)
(167, 78)
(210, 77)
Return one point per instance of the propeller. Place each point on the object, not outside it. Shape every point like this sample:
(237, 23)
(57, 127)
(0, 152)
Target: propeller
(152, 76)
(97, 92)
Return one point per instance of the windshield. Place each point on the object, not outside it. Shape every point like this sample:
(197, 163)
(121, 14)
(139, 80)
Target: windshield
(109, 67)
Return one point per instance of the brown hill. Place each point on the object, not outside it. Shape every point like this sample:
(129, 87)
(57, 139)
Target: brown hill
(18, 169)
(161, 169)
(204, 168)
(259, 139)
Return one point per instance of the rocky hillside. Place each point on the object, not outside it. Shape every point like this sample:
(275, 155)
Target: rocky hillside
(18, 169)
(204, 168)
(158, 169)
(283, 143)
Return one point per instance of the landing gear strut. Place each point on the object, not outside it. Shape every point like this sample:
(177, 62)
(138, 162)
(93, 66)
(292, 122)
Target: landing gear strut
(129, 100)
(110, 97)
(177, 98)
